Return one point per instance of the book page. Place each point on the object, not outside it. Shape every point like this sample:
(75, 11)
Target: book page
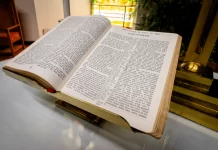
(54, 56)
(126, 74)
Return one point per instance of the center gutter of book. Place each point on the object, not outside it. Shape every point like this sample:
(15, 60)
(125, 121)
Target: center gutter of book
(121, 75)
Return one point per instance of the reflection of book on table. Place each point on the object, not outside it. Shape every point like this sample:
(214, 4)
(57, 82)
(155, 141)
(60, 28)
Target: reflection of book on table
(126, 72)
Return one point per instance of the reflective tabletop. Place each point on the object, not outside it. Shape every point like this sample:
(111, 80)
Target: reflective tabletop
(29, 120)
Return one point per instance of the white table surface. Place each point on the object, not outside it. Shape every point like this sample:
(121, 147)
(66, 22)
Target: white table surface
(29, 120)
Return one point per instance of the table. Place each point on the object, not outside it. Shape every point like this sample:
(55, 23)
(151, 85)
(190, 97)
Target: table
(29, 120)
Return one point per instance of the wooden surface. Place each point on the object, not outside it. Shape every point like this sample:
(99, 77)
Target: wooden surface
(7, 51)
(9, 21)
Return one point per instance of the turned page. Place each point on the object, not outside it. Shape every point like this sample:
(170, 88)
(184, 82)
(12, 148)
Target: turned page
(54, 56)
(126, 74)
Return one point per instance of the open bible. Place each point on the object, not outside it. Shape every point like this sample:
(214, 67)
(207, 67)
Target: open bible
(126, 72)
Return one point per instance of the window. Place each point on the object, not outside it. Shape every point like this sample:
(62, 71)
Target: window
(120, 12)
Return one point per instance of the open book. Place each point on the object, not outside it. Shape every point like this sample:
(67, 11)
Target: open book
(127, 72)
